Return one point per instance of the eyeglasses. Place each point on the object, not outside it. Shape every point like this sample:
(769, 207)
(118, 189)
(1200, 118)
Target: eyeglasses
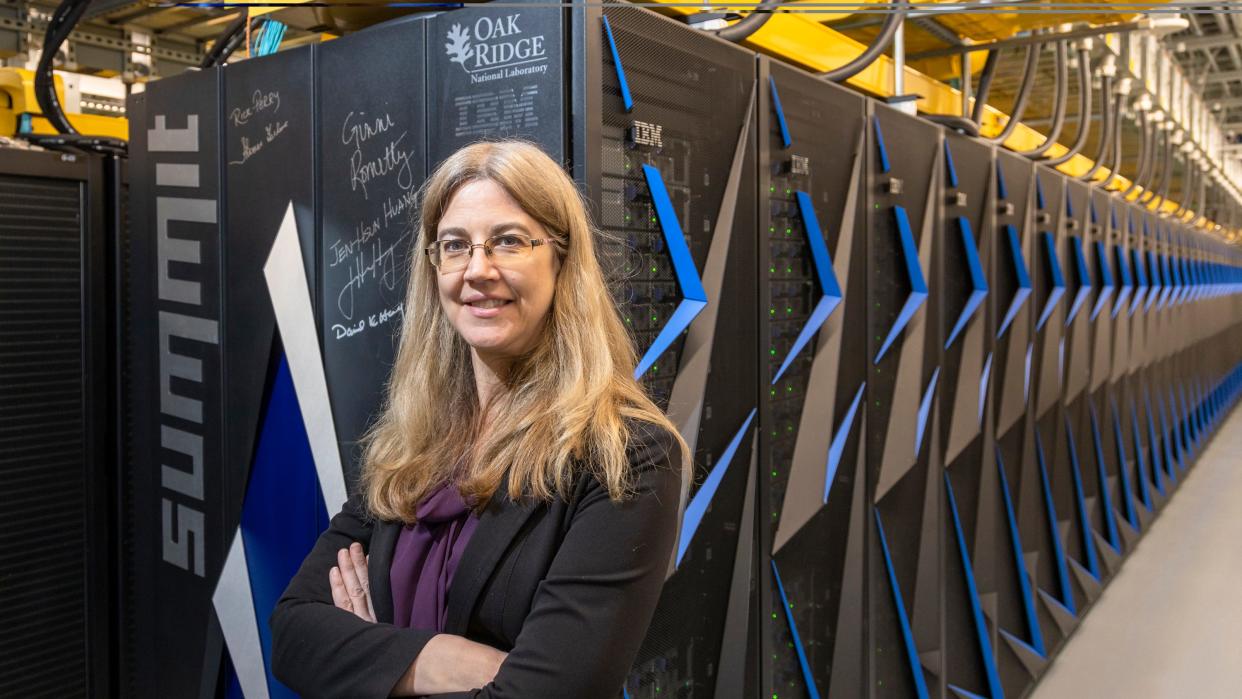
(453, 254)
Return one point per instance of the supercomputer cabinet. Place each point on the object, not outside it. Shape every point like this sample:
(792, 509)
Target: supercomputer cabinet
(372, 159)
(966, 225)
(905, 489)
(813, 368)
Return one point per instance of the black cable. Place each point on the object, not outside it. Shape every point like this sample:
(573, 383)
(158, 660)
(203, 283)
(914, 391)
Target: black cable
(1114, 163)
(1147, 142)
(1106, 135)
(58, 30)
(952, 121)
(1084, 108)
(985, 85)
(1149, 177)
(750, 23)
(1024, 93)
(896, 13)
(1166, 166)
(1167, 180)
(77, 142)
(229, 40)
(1058, 109)
(1188, 179)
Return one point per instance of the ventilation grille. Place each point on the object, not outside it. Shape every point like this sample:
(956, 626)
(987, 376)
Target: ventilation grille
(42, 452)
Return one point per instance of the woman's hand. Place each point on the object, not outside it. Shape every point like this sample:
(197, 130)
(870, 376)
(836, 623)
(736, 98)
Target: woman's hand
(447, 664)
(351, 587)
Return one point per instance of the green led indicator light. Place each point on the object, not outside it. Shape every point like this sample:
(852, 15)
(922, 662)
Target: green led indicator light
(788, 231)
(772, 188)
(788, 309)
(771, 311)
(788, 270)
(771, 270)
(653, 269)
(786, 192)
(772, 351)
(774, 474)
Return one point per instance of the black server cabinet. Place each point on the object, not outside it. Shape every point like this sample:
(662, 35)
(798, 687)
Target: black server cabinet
(966, 224)
(655, 121)
(371, 124)
(812, 292)
(56, 473)
(182, 518)
(905, 637)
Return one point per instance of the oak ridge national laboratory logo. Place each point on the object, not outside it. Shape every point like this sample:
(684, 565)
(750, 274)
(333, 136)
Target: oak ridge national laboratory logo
(495, 48)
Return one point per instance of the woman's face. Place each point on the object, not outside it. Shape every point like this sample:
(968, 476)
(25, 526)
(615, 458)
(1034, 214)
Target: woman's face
(498, 309)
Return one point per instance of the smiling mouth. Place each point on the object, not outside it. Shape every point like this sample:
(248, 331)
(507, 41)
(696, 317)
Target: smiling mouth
(489, 303)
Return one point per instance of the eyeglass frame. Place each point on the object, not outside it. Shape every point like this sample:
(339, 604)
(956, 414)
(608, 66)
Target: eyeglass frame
(430, 249)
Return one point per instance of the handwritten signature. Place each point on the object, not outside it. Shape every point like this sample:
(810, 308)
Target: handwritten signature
(270, 133)
(259, 101)
(372, 321)
(374, 262)
(392, 159)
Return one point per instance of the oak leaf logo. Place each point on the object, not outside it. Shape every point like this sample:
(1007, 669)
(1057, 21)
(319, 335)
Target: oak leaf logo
(458, 45)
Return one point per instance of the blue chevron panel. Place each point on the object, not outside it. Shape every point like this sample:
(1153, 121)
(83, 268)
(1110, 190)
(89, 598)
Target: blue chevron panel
(626, 99)
(283, 511)
(1020, 273)
(1024, 579)
(1106, 279)
(1171, 458)
(914, 274)
(1156, 288)
(950, 170)
(1105, 496)
(1084, 278)
(1140, 281)
(838, 441)
(698, 504)
(1157, 466)
(694, 297)
(830, 290)
(1127, 492)
(983, 384)
(912, 653)
(1039, 192)
(786, 139)
(879, 143)
(1170, 282)
(925, 411)
(811, 689)
(1054, 530)
(1002, 192)
(1058, 280)
(1123, 270)
(1084, 519)
(972, 592)
(1139, 460)
(978, 282)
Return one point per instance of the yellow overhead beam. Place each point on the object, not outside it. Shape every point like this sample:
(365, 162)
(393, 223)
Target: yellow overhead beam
(18, 85)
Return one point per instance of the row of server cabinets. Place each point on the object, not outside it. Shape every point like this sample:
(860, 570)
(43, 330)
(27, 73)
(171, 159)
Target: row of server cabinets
(935, 392)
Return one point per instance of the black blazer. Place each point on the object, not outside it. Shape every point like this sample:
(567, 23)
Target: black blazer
(566, 587)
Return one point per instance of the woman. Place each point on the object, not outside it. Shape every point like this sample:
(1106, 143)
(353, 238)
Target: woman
(519, 494)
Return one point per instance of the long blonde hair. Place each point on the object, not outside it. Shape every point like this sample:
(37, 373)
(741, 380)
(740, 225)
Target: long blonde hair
(569, 404)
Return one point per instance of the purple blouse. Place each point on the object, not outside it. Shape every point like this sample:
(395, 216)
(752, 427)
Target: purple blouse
(426, 557)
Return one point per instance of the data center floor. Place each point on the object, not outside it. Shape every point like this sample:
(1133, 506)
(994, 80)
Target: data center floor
(1170, 624)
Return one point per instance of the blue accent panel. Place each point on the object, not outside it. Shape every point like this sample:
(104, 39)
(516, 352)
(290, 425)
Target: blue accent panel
(1170, 281)
(1023, 276)
(1084, 521)
(807, 677)
(1014, 639)
(1001, 190)
(914, 274)
(948, 163)
(879, 143)
(780, 115)
(1166, 438)
(1140, 277)
(1157, 467)
(703, 496)
(1106, 279)
(1127, 492)
(972, 592)
(1106, 497)
(1069, 205)
(1155, 281)
(925, 410)
(694, 297)
(283, 512)
(1084, 277)
(963, 693)
(1024, 581)
(1112, 216)
(1140, 461)
(978, 282)
(1039, 192)
(1091, 210)
(912, 653)
(616, 61)
(838, 442)
(829, 288)
(1188, 434)
(1123, 271)
(625, 692)
(1058, 280)
(983, 384)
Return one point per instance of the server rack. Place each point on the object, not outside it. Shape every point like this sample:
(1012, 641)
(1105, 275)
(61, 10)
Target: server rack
(811, 495)
(55, 467)
(905, 488)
